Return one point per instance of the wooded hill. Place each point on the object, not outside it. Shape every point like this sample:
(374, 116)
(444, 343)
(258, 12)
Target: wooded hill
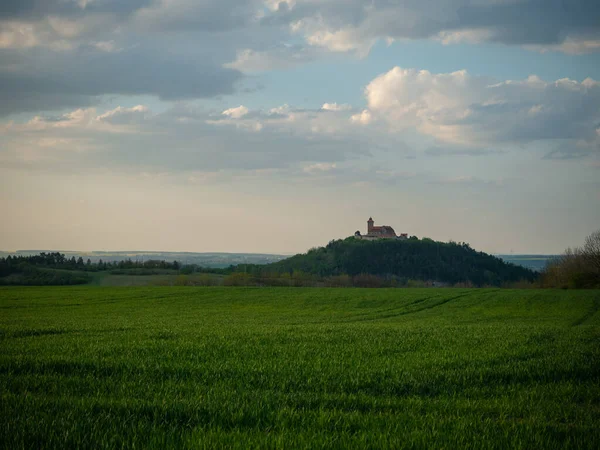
(415, 259)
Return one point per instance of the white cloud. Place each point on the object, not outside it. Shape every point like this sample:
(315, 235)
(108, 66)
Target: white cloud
(236, 113)
(278, 58)
(335, 107)
(134, 137)
(282, 110)
(55, 32)
(276, 5)
(450, 112)
(24, 35)
(123, 116)
(458, 108)
(363, 118)
(344, 40)
(17, 35)
(320, 167)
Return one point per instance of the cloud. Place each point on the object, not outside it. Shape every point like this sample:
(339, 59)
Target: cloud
(125, 116)
(53, 33)
(44, 82)
(344, 40)
(330, 120)
(470, 181)
(320, 167)
(61, 25)
(352, 25)
(335, 107)
(236, 113)
(363, 118)
(459, 109)
(135, 138)
(58, 54)
(69, 53)
(198, 15)
(106, 46)
(273, 58)
(35, 9)
(443, 113)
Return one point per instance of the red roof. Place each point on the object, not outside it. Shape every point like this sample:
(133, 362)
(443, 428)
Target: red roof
(383, 229)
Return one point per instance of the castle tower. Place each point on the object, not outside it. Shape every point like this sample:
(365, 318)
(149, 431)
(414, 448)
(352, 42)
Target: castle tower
(370, 224)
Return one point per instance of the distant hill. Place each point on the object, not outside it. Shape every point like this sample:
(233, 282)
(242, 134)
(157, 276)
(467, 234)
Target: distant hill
(418, 259)
(213, 259)
(534, 262)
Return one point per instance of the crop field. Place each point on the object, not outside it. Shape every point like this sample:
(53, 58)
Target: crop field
(164, 367)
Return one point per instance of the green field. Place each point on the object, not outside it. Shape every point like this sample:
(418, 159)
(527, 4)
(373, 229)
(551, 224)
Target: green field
(162, 367)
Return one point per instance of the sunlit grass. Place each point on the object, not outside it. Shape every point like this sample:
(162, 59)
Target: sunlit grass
(156, 367)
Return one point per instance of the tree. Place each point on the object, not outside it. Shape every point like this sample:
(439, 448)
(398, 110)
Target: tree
(576, 268)
(591, 251)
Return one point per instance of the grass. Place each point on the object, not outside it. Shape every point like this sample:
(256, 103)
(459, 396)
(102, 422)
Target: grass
(159, 367)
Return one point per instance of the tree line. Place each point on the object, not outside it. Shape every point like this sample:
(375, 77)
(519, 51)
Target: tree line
(57, 260)
(576, 268)
(54, 268)
(347, 262)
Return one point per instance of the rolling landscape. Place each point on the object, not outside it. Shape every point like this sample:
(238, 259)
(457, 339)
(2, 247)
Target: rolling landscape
(299, 224)
(306, 367)
(331, 348)
(222, 260)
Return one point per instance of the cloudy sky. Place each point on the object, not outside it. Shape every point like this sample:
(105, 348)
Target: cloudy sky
(275, 126)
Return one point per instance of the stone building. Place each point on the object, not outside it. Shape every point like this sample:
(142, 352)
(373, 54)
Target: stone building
(379, 232)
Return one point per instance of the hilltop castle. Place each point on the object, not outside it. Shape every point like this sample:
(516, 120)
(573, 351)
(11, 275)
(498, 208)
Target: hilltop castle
(380, 232)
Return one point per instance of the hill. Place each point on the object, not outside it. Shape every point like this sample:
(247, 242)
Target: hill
(417, 259)
(533, 262)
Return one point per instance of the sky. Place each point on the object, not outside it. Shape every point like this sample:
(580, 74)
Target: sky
(276, 126)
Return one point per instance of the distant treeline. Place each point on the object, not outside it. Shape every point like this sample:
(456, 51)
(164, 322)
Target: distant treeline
(396, 262)
(349, 262)
(58, 260)
(56, 269)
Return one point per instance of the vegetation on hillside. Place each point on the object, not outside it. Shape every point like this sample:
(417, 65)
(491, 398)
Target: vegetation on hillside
(576, 268)
(55, 268)
(402, 260)
(342, 263)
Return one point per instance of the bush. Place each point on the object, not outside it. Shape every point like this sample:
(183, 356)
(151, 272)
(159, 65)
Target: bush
(366, 280)
(577, 268)
(238, 279)
(338, 281)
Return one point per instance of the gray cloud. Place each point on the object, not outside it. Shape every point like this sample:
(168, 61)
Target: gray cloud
(36, 9)
(77, 79)
(532, 21)
(70, 53)
(198, 15)
(523, 22)
(60, 54)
